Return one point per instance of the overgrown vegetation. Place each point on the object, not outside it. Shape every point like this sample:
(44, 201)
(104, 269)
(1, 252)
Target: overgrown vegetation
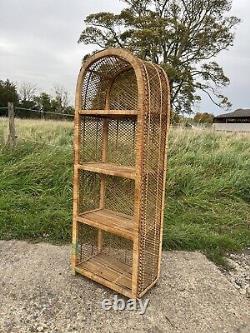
(25, 96)
(208, 191)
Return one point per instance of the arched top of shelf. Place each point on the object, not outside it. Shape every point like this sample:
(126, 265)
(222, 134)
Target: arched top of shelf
(123, 54)
(111, 82)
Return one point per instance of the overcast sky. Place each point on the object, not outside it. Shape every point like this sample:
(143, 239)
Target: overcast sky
(38, 44)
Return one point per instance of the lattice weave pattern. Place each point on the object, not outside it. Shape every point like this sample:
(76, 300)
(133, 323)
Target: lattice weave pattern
(100, 76)
(112, 246)
(121, 140)
(119, 193)
(156, 123)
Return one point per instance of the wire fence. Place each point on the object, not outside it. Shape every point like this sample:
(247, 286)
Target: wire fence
(12, 113)
(24, 113)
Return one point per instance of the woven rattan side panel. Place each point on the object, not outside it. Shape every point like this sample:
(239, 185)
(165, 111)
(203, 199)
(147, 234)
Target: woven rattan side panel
(155, 130)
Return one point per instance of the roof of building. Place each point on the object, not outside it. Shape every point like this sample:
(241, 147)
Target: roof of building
(239, 113)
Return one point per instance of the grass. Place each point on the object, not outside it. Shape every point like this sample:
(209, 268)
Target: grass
(208, 190)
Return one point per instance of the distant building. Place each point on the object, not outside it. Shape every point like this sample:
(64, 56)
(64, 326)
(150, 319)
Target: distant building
(237, 121)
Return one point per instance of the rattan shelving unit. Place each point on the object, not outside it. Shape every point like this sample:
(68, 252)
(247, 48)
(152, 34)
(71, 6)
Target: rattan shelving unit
(121, 124)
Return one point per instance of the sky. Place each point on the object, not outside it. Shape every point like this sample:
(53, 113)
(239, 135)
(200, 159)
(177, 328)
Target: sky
(38, 44)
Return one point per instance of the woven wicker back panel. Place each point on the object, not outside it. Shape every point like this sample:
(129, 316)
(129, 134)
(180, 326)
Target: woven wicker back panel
(121, 140)
(152, 176)
(109, 73)
(114, 246)
(124, 91)
(119, 193)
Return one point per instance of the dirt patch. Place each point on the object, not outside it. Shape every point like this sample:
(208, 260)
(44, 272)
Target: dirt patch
(40, 294)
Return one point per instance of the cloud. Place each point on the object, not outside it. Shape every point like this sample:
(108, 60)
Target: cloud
(236, 62)
(38, 40)
(38, 44)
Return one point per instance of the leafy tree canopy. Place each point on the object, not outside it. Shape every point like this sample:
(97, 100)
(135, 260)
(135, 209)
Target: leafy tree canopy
(8, 93)
(26, 97)
(183, 36)
(27, 93)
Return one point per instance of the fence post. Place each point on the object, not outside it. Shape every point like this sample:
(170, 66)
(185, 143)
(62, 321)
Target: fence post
(42, 114)
(11, 141)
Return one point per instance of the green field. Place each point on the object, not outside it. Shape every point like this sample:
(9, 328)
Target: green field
(208, 188)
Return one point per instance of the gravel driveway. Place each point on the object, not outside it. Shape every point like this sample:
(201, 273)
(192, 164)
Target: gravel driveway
(38, 293)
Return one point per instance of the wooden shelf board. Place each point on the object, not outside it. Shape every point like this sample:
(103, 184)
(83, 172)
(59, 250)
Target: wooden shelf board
(108, 113)
(110, 221)
(109, 271)
(109, 169)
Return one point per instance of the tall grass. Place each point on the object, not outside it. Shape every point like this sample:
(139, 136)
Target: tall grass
(208, 193)
(208, 188)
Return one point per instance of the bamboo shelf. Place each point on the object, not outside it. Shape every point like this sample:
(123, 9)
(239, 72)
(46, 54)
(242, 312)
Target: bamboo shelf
(108, 113)
(108, 271)
(120, 135)
(110, 221)
(109, 169)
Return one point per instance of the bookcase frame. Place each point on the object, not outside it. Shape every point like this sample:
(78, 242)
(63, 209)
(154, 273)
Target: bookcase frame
(111, 245)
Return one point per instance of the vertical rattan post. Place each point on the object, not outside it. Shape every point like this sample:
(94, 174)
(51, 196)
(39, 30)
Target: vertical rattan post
(76, 145)
(119, 172)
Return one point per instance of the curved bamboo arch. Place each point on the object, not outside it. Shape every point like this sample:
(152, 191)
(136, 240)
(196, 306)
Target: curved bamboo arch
(123, 54)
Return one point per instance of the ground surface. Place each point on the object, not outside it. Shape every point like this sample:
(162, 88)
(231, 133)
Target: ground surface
(239, 274)
(40, 294)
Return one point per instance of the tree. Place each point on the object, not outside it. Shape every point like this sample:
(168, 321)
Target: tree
(59, 103)
(8, 93)
(43, 102)
(204, 118)
(183, 36)
(61, 100)
(27, 93)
